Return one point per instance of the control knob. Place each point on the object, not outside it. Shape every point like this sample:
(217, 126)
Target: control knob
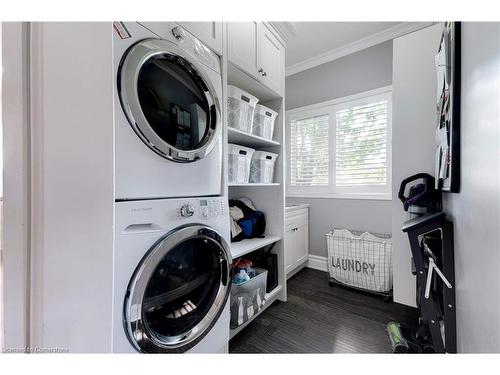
(178, 33)
(187, 210)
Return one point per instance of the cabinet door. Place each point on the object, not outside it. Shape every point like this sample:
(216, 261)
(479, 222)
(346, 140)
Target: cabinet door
(290, 250)
(271, 59)
(301, 247)
(210, 33)
(242, 46)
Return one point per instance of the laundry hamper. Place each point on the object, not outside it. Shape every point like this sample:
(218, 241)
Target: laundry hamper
(360, 260)
(240, 109)
(263, 122)
(239, 159)
(248, 298)
(262, 167)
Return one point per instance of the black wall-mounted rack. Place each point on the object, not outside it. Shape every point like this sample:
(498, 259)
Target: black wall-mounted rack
(431, 242)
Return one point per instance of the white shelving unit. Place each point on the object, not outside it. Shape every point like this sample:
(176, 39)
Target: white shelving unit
(243, 138)
(238, 249)
(270, 298)
(268, 198)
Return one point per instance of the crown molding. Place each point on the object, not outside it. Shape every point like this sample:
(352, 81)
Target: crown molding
(372, 40)
(286, 30)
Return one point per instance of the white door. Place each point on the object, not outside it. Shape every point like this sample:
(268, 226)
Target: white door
(209, 33)
(271, 58)
(242, 46)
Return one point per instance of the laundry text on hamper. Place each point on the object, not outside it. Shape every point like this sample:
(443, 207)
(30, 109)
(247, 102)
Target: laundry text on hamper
(354, 265)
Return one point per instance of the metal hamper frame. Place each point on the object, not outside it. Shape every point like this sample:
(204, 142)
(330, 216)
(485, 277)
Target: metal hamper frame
(360, 242)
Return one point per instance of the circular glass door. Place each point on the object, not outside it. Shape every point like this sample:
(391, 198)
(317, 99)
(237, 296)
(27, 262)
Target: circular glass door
(167, 101)
(178, 290)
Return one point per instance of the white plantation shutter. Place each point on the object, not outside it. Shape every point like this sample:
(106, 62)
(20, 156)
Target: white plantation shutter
(361, 144)
(342, 148)
(309, 153)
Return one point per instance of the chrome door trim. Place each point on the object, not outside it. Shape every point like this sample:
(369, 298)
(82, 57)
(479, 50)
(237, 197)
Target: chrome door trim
(136, 328)
(128, 75)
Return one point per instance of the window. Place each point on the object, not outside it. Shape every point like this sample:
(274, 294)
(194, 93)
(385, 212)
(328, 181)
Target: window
(309, 154)
(342, 148)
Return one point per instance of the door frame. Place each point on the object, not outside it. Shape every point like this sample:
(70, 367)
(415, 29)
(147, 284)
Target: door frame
(16, 227)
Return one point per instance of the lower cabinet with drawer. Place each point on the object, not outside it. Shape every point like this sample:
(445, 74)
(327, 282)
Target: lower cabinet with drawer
(296, 239)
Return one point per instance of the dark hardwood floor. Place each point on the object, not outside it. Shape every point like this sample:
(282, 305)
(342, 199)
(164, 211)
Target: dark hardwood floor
(318, 318)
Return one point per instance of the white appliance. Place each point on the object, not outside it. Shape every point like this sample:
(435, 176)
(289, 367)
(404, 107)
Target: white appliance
(168, 126)
(171, 276)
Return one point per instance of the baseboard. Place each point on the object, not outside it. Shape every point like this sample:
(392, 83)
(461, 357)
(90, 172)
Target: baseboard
(297, 268)
(317, 262)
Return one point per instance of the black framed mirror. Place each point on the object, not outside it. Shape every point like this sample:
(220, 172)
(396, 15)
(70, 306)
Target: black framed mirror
(448, 71)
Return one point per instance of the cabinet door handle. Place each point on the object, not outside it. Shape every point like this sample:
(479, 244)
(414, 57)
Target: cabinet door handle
(264, 74)
(261, 70)
(295, 229)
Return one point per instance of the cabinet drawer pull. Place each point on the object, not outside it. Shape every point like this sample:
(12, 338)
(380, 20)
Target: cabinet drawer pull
(261, 70)
(264, 74)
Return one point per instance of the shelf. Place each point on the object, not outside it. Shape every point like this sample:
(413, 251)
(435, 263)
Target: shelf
(255, 184)
(243, 247)
(270, 298)
(238, 78)
(273, 292)
(246, 139)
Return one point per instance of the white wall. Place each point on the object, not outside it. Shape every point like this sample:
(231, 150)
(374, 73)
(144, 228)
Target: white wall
(328, 213)
(16, 172)
(72, 250)
(476, 209)
(365, 70)
(361, 71)
(413, 119)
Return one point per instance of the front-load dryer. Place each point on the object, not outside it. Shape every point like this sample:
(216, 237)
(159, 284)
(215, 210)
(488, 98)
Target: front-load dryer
(172, 267)
(168, 126)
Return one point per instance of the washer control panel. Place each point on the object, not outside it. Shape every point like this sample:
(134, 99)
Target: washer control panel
(202, 209)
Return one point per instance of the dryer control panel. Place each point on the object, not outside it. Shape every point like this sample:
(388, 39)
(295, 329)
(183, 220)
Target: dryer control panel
(185, 40)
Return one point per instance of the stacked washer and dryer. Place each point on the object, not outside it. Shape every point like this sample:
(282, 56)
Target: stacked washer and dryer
(172, 260)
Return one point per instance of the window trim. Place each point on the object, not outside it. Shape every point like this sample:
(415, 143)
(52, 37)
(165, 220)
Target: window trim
(331, 191)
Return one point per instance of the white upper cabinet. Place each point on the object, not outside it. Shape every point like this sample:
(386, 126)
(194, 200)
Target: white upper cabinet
(242, 46)
(271, 53)
(254, 49)
(210, 33)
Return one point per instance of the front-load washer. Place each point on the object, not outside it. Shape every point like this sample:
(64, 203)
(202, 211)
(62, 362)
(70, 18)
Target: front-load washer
(168, 126)
(172, 267)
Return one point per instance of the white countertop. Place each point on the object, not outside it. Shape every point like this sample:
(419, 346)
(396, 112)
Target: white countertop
(293, 207)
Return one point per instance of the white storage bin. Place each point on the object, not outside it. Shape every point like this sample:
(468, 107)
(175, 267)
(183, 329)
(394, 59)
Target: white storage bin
(263, 122)
(239, 159)
(262, 167)
(247, 298)
(361, 260)
(240, 109)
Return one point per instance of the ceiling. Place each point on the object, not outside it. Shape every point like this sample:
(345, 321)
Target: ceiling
(306, 41)
(314, 38)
